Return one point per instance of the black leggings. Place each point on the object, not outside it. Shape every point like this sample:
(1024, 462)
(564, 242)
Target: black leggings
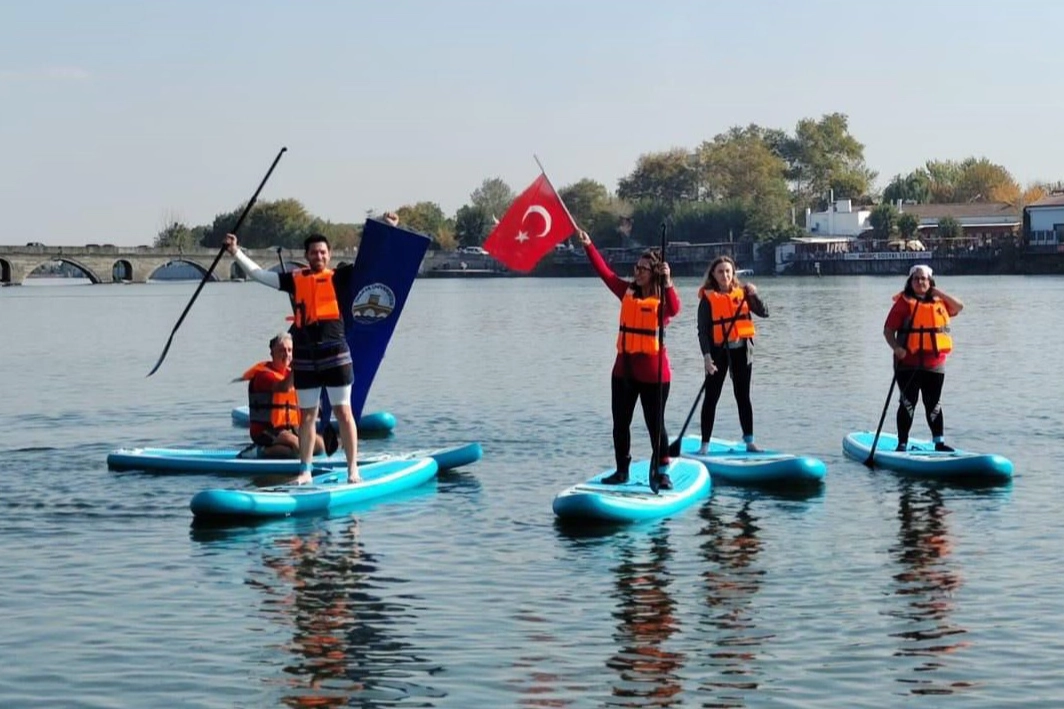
(625, 392)
(742, 371)
(913, 384)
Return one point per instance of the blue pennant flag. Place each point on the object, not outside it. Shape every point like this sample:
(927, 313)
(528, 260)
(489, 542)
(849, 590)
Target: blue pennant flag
(384, 271)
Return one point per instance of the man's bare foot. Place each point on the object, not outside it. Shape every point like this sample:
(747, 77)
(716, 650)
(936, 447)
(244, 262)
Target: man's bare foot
(304, 479)
(353, 477)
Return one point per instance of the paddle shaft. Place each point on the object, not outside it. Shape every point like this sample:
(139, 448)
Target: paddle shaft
(870, 460)
(655, 460)
(217, 258)
(675, 446)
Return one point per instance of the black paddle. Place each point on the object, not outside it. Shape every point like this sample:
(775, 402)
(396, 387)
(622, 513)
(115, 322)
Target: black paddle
(214, 263)
(674, 447)
(870, 460)
(655, 460)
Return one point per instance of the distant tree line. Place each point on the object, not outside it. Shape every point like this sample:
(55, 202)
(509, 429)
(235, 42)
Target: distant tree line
(748, 183)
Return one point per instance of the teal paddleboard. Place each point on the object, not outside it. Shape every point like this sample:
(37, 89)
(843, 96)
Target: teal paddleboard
(634, 501)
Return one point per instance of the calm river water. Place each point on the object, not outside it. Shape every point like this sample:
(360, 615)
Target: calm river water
(872, 592)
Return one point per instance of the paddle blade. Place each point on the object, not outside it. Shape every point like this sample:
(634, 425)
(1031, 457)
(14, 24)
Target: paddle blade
(162, 356)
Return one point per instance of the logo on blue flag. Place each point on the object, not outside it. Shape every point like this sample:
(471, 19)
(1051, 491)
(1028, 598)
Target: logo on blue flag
(373, 304)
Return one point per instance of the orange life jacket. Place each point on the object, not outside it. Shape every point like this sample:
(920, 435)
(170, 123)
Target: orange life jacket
(315, 298)
(729, 312)
(269, 408)
(638, 330)
(927, 329)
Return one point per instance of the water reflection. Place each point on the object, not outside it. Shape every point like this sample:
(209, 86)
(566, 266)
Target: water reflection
(928, 579)
(346, 648)
(732, 578)
(648, 674)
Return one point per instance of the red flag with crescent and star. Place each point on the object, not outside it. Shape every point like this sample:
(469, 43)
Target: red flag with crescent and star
(531, 227)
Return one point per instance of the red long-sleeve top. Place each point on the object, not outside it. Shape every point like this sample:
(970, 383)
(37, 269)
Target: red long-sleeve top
(640, 367)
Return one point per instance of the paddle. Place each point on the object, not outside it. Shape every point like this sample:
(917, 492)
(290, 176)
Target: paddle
(674, 447)
(214, 263)
(654, 477)
(870, 460)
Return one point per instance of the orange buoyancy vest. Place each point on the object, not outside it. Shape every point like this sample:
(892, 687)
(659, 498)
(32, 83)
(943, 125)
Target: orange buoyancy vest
(927, 329)
(276, 409)
(729, 313)
(638, 331)
(315, 297)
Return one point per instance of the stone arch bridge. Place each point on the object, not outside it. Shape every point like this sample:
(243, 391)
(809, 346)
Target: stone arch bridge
(127, 264)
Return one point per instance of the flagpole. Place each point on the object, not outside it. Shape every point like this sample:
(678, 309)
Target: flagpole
(562, 201)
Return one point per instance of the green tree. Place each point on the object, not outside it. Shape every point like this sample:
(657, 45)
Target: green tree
(428, 218)
(340, 236)
(284, 222)
(669, 176)
(585, 200)
(980, 178)
(943, 175)
(741, 168)
(493, 197)
(176, 235)
(914, 187)
(281, 223)
(908, 224)
(883, 218)
(824, 156)
(949, 228)
(472, 224)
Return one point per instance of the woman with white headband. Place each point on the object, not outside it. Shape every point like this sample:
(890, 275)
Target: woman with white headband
(917, 330)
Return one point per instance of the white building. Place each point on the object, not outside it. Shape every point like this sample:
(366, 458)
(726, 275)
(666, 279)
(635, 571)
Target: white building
(1046, 221)
(839, 220)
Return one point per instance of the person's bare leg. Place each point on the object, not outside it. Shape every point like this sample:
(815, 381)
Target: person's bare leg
(307, 434)
(349, 440)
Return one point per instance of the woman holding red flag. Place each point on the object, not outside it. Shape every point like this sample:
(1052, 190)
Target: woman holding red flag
(641, 356)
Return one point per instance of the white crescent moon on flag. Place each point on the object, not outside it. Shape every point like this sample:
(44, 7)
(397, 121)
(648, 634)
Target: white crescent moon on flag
(546, 218)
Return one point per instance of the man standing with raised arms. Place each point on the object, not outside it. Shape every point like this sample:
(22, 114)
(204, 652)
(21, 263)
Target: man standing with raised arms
(321, 357)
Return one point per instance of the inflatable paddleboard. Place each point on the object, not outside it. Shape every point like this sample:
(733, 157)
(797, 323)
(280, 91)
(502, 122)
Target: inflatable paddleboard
(922, 460)
(325, 493)
(228, 462)
(729, 461)
(593, 502)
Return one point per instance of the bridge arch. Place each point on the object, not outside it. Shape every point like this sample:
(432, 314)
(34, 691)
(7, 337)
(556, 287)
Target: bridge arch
(189, 262)
(5, 272)
(89, 273)
(121, 271)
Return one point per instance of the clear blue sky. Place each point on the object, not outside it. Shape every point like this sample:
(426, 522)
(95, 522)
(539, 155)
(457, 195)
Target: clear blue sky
(116, 115)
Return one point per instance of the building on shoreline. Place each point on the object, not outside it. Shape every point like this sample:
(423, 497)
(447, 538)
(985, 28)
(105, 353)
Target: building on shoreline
(1043, 224)
(988, 229)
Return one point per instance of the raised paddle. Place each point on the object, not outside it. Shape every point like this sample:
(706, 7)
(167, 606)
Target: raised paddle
(214, 263)
(654, 477)
(674, 447)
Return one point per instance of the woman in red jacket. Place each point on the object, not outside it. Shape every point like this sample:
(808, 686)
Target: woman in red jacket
(917, 331)
(641, 357)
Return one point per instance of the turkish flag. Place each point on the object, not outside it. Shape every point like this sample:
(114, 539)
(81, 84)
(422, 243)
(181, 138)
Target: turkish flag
(531, 227)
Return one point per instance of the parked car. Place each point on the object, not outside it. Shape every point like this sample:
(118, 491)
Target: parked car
(472, 250)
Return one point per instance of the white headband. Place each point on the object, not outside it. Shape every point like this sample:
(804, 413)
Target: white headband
(920, 267)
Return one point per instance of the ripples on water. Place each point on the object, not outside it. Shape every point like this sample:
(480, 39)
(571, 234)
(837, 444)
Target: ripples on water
(869, 592)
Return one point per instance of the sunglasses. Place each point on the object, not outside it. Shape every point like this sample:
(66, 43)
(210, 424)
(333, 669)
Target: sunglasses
(642, 268)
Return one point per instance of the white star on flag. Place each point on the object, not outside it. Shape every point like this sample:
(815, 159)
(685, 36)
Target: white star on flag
(522, 236)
